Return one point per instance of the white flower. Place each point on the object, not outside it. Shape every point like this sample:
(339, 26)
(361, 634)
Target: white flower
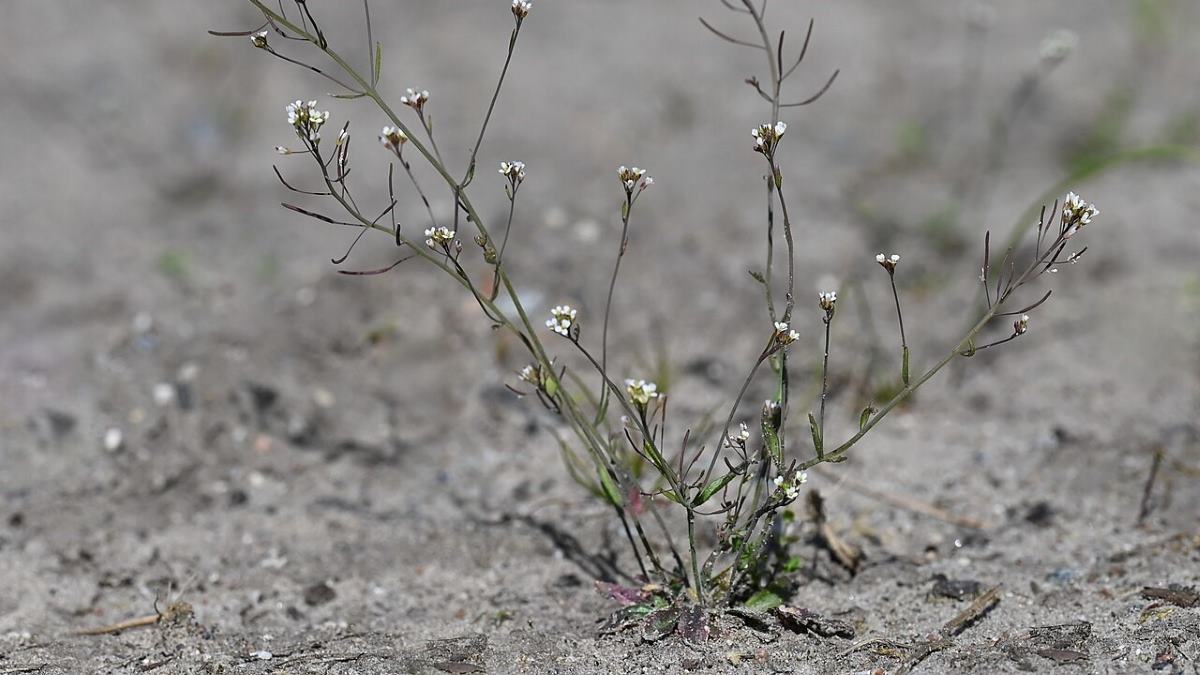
(520, 8)
(827, 300)
(561, 319)
(791, 489)
(259, 39)
(513, 171)
(306, 119)
(1076, 213)
(392, 138)
(641, 391)
(634, 178)
(1021, 324)
(282, 150)
(739, 441)
(415, 98)
(529, 374)
(785, 336)
(438, 236)
(766, 136)
(1058, 46)
(888, 262)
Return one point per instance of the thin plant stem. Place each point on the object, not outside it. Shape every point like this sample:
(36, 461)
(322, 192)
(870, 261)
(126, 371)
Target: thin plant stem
(612, 284)
(825, 374)
(512, 44)
(899, 314)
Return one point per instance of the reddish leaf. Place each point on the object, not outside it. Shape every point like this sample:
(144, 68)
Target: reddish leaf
(624, 595)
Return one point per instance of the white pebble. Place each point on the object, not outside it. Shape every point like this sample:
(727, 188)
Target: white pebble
(113, 439)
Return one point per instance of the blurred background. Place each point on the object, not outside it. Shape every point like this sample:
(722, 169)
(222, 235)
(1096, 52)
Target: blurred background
(193, 395)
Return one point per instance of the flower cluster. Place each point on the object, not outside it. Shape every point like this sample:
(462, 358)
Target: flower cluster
(1075, 214)
(415, 98)
(306, 120)
(791, 489)
(739, 441)
(641, 391)
(784, 335)
(259, 39)
(439, 236)
(888, 262)
(393, 138)
(514, 172)
(562, 318)
(520, 8)
(633, 178)
(767, 136)
(827, 301)
(1021, 324)
(531, 374)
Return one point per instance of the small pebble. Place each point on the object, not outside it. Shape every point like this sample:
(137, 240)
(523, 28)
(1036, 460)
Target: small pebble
(188, 372)
(114, 440)
(164, 394)
(323, 398)
(142, 323)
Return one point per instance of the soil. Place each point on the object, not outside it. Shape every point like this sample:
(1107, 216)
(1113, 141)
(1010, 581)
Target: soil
(313, 473)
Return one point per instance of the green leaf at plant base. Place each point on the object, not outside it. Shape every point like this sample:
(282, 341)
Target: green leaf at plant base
(660, 623)
(763, 601)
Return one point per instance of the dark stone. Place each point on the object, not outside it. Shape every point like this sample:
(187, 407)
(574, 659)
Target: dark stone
(319, 594)
(1040, 514)
(955, 589)
(263, 396)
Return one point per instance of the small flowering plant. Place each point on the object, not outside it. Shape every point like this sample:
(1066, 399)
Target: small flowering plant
(702, 516)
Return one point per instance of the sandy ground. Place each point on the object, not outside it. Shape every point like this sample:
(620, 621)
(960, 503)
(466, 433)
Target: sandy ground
(329, 471)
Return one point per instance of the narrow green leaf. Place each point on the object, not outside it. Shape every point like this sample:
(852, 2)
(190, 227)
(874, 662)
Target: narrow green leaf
(670, 494)
(348, 97)
(818, 443)
(712, 488)
(378, 61)
(611, 493)
(770, 431)
(904, 367)
(865, 416)
(763, 601)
